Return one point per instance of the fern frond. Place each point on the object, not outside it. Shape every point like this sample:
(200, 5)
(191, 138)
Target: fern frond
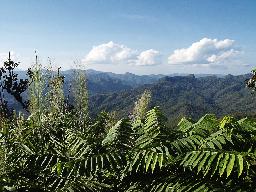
(185, 125)
(217, 140)
(120, 135)
(149, 159)
(90, 165)
(205, 125)
(247, 125)
(192, 142)
(180, 183)
(216, 162)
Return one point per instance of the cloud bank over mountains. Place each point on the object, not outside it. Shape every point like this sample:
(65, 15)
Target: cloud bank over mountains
(205, 51)
(206, 55)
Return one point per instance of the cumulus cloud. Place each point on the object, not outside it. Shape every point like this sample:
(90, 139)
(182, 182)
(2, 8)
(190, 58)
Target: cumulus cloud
(149, 57)
(206, 51)
(109, 53)
(113, 53)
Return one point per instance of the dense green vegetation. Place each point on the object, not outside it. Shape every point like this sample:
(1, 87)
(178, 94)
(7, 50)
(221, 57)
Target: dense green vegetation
(59, 147)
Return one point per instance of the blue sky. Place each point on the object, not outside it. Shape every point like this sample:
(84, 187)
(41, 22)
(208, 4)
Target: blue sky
(139, 36)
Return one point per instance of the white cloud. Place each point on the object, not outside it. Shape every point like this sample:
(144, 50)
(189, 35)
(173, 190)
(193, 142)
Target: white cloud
(109, 53)
(113, 53)
(149, 57)
(205, 51)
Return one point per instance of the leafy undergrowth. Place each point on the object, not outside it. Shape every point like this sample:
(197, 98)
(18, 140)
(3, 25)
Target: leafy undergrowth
(59, 153)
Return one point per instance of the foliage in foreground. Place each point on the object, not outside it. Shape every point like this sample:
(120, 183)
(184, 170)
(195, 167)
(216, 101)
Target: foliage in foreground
(59, 148)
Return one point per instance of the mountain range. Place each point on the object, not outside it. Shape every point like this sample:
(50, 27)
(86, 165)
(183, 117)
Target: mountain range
(191, 96)
(177, 95)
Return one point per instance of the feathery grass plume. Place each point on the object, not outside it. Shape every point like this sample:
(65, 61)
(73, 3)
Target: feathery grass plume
(55, 93)
(36, 92)
(141, 106)
(80, 95)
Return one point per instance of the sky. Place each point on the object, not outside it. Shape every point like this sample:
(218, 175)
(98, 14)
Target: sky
(137, 36)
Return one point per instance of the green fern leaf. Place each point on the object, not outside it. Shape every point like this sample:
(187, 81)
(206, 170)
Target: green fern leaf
(223, 164)
(193, 158)
(148, 160)
(240, 164)
(160, 160)
(195, 163)
(217, 163)
(201, 164)
(184, 125)
(185, 158)
(217, 143)
(153, 164)
(230, 164)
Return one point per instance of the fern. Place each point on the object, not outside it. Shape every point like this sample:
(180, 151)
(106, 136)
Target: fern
(215, 162)
(217, 140)
(205, 125)
(149, 159)
(185, 125)
(188, 143)
(153, 128)
(247, 125)
(180, 182)
(89, 165)
(120, 135)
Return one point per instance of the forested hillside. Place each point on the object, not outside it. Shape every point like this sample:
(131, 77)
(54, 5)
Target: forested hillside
(127, 78)
(185, 96)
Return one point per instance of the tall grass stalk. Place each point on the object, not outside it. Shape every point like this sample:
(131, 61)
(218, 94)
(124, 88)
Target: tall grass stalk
(80, 95)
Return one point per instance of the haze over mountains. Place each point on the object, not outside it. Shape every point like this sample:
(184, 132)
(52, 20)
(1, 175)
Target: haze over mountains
(177, 95)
